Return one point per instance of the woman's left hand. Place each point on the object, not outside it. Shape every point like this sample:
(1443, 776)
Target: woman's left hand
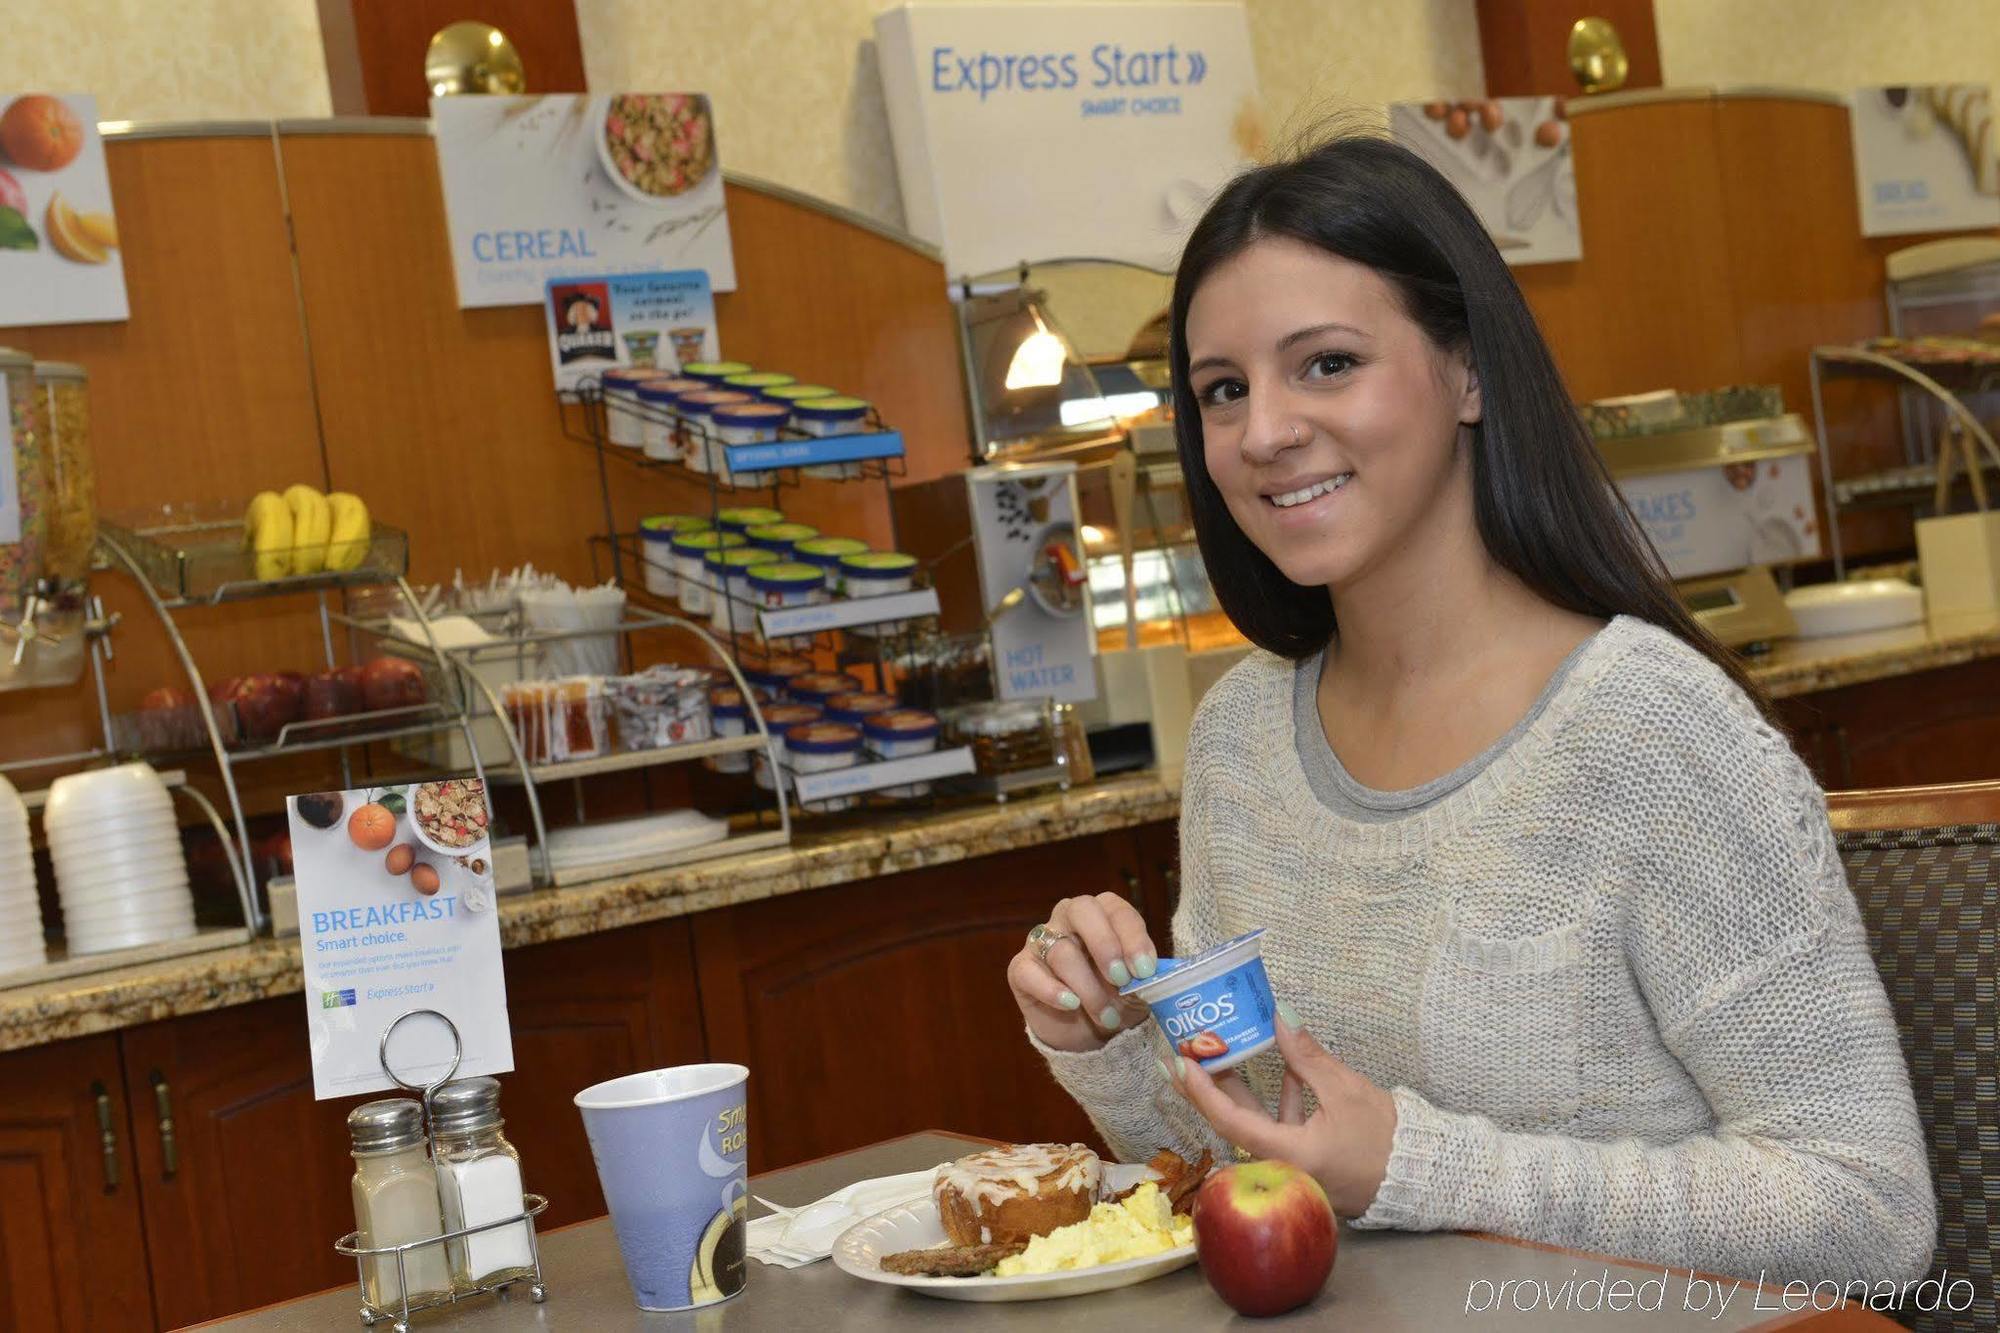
(1344, 1144)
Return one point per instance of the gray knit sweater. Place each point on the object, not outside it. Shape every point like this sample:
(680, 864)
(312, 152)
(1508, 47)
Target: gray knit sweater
(1616, 983)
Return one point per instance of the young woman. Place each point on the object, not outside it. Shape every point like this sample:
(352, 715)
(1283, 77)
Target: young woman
(1565, 948)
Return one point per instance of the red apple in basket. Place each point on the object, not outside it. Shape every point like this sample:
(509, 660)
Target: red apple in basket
(264, 704)
(291, 688)
(221, 698)
(392, 682)
(331, 694)
(1265, 1235)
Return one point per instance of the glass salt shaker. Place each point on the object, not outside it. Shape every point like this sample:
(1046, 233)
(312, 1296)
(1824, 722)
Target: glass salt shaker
(396, 1202)
(479, 1181)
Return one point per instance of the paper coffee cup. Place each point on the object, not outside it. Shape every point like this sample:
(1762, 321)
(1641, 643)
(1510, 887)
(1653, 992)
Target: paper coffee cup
(672, 1153)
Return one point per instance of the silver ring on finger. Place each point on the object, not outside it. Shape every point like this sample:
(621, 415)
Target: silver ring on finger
(1044, 938)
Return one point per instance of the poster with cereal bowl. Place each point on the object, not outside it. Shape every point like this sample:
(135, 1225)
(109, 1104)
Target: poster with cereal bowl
(59, 256)
(396, 915)
(541, 187)
(1510, 158)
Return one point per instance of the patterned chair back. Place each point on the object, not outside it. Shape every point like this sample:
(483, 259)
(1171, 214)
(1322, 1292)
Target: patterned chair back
(1924, 864)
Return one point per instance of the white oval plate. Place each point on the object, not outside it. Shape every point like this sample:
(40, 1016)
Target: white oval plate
(915, 1226)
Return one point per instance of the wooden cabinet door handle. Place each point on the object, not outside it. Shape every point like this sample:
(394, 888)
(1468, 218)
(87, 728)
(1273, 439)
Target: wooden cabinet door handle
(107, 1134)
(170, 1152)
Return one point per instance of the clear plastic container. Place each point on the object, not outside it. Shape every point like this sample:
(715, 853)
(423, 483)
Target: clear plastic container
(691, 552)
(1006, 737)
(660, 707)
(24, 523)
(62, 427)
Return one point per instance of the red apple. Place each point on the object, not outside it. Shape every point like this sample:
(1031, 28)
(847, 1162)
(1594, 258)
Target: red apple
(392, 682)
(331, 694)
(264, 704)
(1265, 1235)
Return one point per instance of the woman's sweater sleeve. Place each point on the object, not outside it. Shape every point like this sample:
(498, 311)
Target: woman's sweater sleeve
(1755, 963)
(1120, 1085)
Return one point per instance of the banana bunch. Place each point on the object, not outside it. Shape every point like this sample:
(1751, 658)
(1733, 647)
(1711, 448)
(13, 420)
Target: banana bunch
(304, 532)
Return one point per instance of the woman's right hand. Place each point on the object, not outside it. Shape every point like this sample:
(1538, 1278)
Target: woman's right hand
(1070, 998)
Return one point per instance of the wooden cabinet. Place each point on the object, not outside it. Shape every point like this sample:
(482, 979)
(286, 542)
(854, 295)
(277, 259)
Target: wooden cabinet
(585, 1010)
(243, 1176)
(72, 1252)
(881, 1008)
(1932, 727)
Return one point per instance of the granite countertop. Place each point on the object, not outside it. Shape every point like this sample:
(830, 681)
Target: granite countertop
(1806, 666)
(240, 974)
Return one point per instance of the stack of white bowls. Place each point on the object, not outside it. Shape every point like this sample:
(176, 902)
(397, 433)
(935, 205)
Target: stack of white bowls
(21, 944)
(119, 868)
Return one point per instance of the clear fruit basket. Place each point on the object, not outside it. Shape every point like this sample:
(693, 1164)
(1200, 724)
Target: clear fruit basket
(191, 553)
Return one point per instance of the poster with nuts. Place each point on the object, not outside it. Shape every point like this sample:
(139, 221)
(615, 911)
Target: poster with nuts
(1510, 158)
(396, 914)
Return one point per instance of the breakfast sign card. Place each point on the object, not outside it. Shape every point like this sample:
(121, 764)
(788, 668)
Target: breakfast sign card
(396, 914)
(59, 258)
(541, 187)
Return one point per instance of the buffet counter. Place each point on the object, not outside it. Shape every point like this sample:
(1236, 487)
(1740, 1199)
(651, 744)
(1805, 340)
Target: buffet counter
(1807, 666)
(74, 1007)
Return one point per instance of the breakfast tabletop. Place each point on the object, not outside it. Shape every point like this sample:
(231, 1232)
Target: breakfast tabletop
(1382, 1281)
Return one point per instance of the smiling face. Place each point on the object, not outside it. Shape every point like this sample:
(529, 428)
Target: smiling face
(1331, 424)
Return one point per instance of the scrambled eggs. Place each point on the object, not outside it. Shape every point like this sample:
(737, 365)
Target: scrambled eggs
(1143, 1224)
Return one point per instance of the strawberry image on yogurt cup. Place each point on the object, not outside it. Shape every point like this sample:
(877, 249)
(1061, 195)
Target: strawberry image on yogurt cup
(1215, 1008)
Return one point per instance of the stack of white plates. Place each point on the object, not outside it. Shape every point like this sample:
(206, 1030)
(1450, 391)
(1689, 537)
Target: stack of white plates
(117, 851)
(20, 907)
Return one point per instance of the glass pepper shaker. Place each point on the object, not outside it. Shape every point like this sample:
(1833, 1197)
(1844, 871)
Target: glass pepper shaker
(479, 1181)
(396, 1202)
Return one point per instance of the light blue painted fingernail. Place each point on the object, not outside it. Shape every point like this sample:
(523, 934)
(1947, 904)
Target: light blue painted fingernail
(1118, 973)
(1180, 1068)
(1290, 1015)
(1144, 966)
(1161, 1065)
(1109, 1018)
(1068, 1000)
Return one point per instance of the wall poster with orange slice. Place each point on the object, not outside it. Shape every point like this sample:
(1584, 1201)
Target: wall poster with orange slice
(59, 256)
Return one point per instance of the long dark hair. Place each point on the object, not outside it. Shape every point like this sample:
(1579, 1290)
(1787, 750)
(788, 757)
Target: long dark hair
(1542, 496)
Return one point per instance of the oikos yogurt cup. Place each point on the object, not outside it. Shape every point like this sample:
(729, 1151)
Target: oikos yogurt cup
(1215, 1008)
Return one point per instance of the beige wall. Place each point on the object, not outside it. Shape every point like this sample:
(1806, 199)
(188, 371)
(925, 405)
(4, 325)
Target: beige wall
(1832, 44)
(169, 59)
(798, 99)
